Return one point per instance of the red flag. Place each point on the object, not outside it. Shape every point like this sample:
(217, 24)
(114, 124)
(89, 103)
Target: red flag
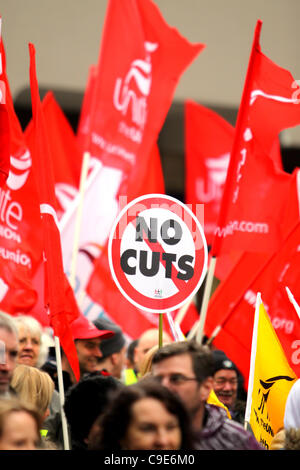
(208, 142)
(20, 245)
(151, 178)
(66, 161)
(4, 119)
(255, 202)
(149, 169)
(232, 305)
(59, 296)
(140, 62)
(63, 146)
(84, 122)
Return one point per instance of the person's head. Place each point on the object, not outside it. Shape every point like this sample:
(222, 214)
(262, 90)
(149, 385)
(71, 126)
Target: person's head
(130, 354)
(292, 439)
(34, 386)
(186, 368)
(85, 401)
(87, 340)
(146, 341)
(19, 425)
(225, 379)
(31, 351)
(113, 349)
(144, 416)
(8, 351)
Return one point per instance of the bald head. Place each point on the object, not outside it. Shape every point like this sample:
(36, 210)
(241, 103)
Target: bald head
(147, 340)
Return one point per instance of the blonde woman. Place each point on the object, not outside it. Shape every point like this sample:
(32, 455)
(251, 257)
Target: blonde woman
(146, 363)
(19, 425)
(35, 387)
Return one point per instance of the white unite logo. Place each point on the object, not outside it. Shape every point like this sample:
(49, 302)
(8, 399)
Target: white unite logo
(217, 171)
(19, 171)
(140, 72)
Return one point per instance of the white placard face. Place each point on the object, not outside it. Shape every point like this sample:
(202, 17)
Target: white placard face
(157, 253)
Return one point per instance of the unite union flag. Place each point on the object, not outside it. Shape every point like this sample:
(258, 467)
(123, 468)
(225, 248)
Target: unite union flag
(255, 206)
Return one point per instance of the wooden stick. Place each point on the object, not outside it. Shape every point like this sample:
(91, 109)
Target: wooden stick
(252, 360)
(181, 314)
(206, 297)
(193, 330)
(83, 177)
(293, 301)
(61, 394)
(214, 334)
(160, 331)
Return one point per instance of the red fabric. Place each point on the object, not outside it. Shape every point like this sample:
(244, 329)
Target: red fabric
(154, 171)
(4, 119)
(254, 202)
(63, 146)
(58, 295)
(140, 62)
(20, 245)
(84, 122)
(208, 142)
(66, 168)
(150, 182)
(233, 303)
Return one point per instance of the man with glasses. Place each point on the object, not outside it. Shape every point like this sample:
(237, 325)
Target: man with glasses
(9, 345)
(186, 368)
(228, 385)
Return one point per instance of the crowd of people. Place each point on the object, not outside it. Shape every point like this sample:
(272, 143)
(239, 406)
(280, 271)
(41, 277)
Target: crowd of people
(133, 395)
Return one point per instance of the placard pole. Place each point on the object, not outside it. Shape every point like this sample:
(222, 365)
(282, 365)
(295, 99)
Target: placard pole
(160, 330)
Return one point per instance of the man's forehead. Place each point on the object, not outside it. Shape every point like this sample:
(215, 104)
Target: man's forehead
(8, 336)
(225, 373)
(174, 364)
(90, 341)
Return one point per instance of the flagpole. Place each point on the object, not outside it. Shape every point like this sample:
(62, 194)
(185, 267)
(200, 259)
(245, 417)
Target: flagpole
(293, 301)
(252, 361)
(193, 330)
(173, 328)
(205, 300)
(61, 394)
(181, 314)
(83, 177)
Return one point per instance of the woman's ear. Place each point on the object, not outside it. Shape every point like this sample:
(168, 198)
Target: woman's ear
(47, 413)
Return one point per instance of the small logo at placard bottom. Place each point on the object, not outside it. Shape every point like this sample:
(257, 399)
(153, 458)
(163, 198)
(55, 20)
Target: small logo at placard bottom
(158, 293)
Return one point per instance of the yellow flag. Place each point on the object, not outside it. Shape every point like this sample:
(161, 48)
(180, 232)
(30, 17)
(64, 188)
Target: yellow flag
(270, 380)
